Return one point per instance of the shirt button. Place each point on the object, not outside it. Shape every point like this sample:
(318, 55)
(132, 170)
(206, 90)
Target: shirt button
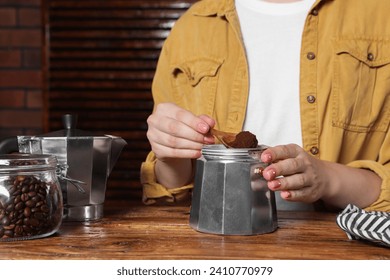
(311, 99)
(314, 12)
(370, 56)
(314, 150)
(310, 55)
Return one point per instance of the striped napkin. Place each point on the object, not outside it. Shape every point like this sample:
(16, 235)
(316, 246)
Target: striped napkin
(373, 226)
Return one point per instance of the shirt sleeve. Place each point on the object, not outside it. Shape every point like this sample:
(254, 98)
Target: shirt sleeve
(383, 201)
(153, 192)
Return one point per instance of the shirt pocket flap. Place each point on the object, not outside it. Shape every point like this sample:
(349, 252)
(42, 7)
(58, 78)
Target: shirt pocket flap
(197, 69)
(374, 53)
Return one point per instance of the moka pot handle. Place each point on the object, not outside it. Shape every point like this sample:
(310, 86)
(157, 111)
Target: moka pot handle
(9, 145)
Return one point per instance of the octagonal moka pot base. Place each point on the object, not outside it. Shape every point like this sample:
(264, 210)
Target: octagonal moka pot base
(230, 196)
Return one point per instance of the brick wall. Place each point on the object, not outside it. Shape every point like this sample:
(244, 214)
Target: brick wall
(21, 80)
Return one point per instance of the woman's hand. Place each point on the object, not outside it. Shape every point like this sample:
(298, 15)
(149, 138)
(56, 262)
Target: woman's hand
(302, 177)
(177, 136)
(299, 176)
(174, 132)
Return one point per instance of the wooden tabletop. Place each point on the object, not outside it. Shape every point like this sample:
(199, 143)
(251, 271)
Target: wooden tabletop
(131, 230)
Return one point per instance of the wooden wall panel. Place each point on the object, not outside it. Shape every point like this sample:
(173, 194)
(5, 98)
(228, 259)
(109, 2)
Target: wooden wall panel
(101, 57)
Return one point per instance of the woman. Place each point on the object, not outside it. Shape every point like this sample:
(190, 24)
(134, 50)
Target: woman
(319, 98)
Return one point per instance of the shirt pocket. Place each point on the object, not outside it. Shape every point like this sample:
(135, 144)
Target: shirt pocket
(361, 85)
(195, 83)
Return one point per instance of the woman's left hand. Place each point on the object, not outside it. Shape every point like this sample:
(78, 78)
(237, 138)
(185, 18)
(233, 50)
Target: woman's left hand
(296, 174)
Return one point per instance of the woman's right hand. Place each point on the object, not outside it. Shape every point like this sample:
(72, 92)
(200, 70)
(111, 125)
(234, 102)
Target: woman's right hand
(174, 132)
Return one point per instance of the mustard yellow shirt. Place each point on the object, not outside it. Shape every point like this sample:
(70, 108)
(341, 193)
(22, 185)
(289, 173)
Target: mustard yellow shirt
(344, 82)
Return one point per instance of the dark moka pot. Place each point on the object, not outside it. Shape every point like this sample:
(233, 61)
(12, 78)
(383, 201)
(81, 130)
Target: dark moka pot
(230, 196)
(84, 160)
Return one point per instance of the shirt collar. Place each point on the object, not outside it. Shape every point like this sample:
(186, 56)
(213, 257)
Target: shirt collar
(223, 7)
(214, 8)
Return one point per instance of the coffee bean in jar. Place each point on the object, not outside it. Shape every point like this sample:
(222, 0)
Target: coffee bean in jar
(30, 197)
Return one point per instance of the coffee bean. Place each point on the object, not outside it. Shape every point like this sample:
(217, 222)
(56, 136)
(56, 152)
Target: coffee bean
(42, 191)
(18, 230)
(9, 233)
(20, 178)
(10, 207)
(39, 216)
(24, 197)
(27, 228)
(19, 205)
(30, 203)
(12, 190)
(20, 216)
(17, 199)
(32, 194)
(39, 204)
(25, 189)
(17, 192)
(11, 215)
(5, 221)
(45, 208)
(11, 226)
(27, 212)
(33, 222)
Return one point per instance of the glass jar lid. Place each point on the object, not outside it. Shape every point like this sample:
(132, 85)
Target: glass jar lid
(20, 162)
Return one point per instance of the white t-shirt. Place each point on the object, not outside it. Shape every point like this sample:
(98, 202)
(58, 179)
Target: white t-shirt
(272, 35)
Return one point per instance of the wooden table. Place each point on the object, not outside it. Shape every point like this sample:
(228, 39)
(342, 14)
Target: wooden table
(131, 230)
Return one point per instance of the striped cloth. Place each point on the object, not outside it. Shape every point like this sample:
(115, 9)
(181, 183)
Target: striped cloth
(373, 226)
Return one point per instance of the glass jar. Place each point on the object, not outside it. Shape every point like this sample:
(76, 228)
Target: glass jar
(30, 197)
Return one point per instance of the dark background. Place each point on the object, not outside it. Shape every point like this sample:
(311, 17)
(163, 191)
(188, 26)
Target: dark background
(92, 58)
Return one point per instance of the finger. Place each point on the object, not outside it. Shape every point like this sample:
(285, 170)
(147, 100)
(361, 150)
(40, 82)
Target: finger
(165, 126)
(284, 167)
(173, 141)
(287, 167)
(280, 152)
(208, 138)
(286, 195)
(293, 182)
(302, 195)
(208, 120)
(174, 112)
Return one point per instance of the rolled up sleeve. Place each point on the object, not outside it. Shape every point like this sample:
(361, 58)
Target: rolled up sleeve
(153, 192)
(383, 201)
